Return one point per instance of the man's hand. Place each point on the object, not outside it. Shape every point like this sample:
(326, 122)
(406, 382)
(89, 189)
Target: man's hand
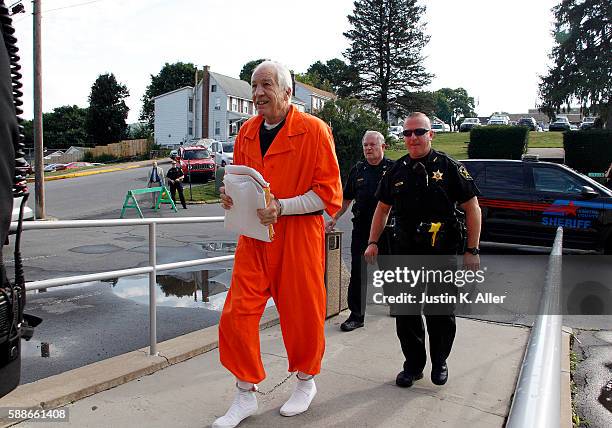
(269, 214)
(371, 253)
(329, 226)
(471, 261)
(226, 201)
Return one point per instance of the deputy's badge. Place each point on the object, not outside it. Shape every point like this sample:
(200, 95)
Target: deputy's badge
(436, 175)
(360, 179)
(398, 184)
(465, 173)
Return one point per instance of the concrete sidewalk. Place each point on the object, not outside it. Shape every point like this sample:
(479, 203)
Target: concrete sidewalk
(356, 386)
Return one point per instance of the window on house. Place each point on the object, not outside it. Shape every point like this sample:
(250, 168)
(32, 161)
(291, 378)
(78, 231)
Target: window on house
(190, 104)
(245, 107)
(218, 103)
(213, 88)
(190, 128)
(217, 128)
(234, 104)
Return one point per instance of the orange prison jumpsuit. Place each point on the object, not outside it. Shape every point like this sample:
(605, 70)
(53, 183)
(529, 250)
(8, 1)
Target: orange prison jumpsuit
(291, 268)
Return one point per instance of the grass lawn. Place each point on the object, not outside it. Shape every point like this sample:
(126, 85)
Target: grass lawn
(201, 192)
(453, 143)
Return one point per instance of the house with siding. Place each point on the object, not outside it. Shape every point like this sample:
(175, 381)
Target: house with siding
(314, 98)
(216, 108)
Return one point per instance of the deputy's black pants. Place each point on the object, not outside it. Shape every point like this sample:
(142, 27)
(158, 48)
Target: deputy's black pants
(411, 333)
(440, 320)
(357, 291)
(173, 188)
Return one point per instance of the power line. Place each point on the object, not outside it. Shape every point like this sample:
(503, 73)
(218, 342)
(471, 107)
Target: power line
(59, 8)
(73, 5)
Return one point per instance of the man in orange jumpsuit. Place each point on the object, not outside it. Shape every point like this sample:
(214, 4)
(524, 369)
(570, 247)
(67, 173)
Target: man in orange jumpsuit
(295, 153)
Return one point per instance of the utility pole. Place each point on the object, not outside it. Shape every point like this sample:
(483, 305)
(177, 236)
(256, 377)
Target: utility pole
(39, 183)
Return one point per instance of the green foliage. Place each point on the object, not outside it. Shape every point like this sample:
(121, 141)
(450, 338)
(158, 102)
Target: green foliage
(386, 39)
(139, 131)
(341, 78)
(410, 102)
(248, 68)
(62, 128)
(314, 80)
(65, 127)
(169, 78)
(452, 103)
(498, 142)
(582, 69)
(588, 151)
(88, 156)
(107, 111)
(349, 120)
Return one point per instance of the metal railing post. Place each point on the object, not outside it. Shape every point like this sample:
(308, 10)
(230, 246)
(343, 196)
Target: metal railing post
(537, 398)
(152, 290)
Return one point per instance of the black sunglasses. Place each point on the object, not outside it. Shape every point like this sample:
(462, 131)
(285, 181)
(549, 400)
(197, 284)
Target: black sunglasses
(418, 132)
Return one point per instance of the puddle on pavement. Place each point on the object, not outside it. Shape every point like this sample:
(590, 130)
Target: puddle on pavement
(96, 249)
(196, 289)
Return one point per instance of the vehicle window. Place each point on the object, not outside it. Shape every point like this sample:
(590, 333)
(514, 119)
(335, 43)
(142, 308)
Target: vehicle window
(228, 148)
(196, 154)
(504, 176)
(554, 180)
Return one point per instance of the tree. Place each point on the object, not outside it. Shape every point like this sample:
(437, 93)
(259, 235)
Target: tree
(342, 78)
(315, 80)
(349, 120)
(453, 103)
(248, 68)
(582, 68)
(107, 112)
(169, 78)
(65, 127)
(386, 41)
(410, 102)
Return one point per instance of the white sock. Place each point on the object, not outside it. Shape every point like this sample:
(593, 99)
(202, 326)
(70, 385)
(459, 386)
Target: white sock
(299, 402)
(243, 406)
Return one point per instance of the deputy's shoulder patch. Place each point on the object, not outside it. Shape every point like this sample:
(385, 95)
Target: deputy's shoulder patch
(464, 172)
(399, 183)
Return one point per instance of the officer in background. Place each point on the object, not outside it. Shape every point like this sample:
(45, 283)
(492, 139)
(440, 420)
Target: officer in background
(174, 176)
(360, 187)
(424, 187)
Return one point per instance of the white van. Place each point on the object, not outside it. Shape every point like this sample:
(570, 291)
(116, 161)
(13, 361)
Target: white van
(224, 152)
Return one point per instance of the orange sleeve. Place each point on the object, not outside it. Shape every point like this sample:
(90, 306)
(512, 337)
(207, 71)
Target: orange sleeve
(326, 181)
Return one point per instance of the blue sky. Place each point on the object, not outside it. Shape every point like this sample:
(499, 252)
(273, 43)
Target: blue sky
(495, 49)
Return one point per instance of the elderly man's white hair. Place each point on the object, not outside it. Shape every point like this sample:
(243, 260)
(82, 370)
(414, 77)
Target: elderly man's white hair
(283, 76)
(379, 137)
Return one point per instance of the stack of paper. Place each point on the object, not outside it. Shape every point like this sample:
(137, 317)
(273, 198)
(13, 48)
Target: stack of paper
(249, 192)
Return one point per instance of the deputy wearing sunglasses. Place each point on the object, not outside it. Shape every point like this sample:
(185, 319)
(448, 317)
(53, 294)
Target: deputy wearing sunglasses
(425, 187)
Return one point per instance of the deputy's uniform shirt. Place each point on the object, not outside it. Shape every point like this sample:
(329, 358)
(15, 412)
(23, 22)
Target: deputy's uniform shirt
(361, 186)
(174, 173)
(425, 190)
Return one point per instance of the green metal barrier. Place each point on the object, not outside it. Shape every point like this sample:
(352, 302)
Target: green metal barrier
(162, 198)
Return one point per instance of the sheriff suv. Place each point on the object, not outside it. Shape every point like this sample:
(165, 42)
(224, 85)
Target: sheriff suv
(523, 202)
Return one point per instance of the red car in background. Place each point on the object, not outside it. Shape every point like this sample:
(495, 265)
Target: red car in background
(196, 162)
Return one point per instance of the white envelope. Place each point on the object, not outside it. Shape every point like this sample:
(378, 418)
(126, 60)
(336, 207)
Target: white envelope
(247, 188)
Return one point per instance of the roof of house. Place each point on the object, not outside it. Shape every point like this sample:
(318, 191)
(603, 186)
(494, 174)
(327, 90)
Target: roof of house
(296, 100)
(231, 86)
(171, 92)
(316, 91)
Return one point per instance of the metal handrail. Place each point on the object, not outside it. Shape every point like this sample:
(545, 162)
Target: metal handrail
(151, 269)
(537, 399)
